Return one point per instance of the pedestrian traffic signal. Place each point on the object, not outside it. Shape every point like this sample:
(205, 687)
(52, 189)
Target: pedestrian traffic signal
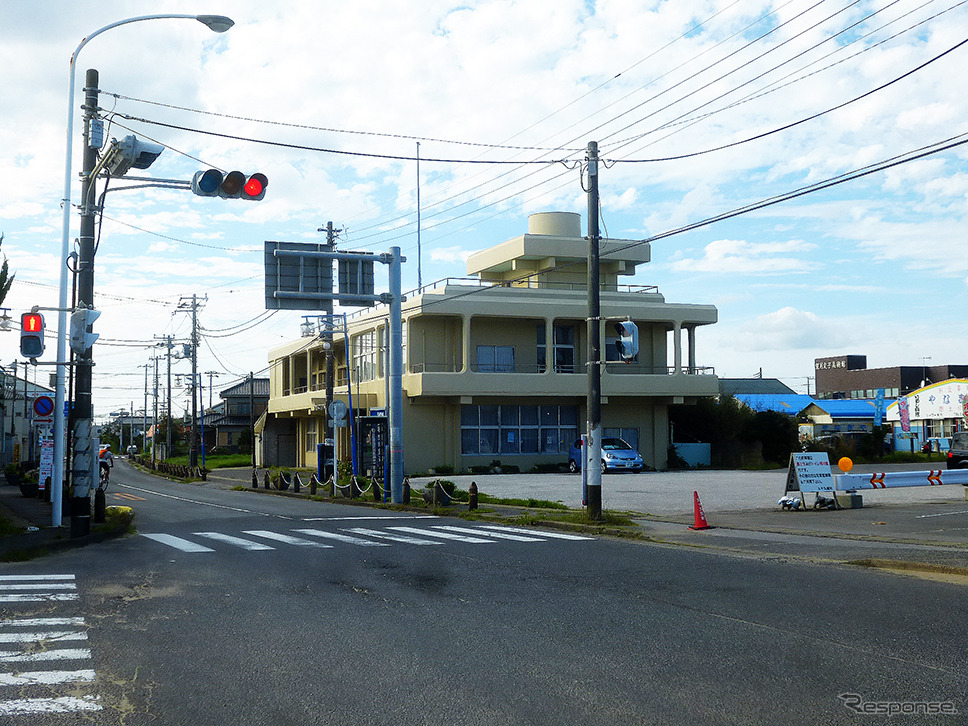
(31, 335)
(234, 185)
(628, 343)
(81, 320)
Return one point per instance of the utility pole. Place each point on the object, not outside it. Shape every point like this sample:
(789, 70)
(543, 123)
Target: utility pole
(154, 422)
(192, 304)
(85, 457)
(329, 432)
(251, 415)
(168, 345)
(210, 374)
(144, 431)
(593, 464)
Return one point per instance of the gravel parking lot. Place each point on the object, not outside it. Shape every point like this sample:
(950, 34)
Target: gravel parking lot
(671, 493)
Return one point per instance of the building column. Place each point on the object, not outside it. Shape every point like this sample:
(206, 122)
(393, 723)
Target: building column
(550, 345)
(466, 325)
(691, 332)
(677, 342)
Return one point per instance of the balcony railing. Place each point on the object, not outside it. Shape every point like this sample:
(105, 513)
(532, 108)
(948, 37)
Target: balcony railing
(610, 368)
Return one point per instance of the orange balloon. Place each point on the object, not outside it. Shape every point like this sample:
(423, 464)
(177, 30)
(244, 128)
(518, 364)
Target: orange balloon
(845, 464)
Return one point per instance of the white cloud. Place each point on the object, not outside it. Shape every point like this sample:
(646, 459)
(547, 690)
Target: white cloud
(740, 256)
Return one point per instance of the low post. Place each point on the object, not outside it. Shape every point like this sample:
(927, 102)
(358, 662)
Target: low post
(472, 496)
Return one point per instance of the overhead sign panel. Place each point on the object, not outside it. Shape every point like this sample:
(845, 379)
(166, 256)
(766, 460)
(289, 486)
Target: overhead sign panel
(298, 281)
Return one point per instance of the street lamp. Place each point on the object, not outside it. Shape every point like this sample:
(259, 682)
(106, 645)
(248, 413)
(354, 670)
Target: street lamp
(217, 23)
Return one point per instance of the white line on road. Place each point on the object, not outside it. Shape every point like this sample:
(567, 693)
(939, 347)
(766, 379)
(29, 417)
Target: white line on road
(177, 542)
(13, 578)
(445, 535)
(13, 656)
(387, 516)
(40, 586)
(287, 539)
(245, 544)
(542, 533)
(45, 678)
(341, 538)
(42, 635)
(497, 535)
(39, 597)
(40, 622)
(943, 514)
(392, 537)
(67, 704)
(206, 504)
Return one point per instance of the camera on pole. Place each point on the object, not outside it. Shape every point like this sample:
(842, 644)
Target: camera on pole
(234, 185)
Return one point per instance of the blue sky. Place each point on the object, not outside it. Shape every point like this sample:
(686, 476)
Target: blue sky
(875, 266)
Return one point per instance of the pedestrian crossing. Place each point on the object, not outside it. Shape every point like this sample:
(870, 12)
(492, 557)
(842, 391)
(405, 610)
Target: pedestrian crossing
(44, 654)
(260, 540)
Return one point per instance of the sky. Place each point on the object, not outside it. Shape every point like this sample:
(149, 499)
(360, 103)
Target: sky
(703, 111)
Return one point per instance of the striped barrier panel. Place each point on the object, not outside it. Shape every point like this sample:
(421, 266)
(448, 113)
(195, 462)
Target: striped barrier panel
(889, 480)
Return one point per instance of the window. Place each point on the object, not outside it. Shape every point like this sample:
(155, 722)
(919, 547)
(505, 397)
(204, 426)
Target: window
(510, 429)
(564, 349)
(365, 351)
(310, 434)
(495, 359)
(542, 349)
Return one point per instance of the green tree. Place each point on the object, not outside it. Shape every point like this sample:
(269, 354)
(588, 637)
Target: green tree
(6, 279)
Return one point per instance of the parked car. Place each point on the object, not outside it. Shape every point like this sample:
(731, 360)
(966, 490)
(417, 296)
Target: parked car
(617, 455)
(958, 453)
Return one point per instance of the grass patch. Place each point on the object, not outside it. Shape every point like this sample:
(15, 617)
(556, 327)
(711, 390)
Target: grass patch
(215, 461)
(7, 527)
(530, 503)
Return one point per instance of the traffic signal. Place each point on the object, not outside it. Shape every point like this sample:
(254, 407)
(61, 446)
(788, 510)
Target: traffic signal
(130, 153)
(234, 185)
(31, 335)
(628, 342)
(81, 320)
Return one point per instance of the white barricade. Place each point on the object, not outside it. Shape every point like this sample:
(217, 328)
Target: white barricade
(934, 477)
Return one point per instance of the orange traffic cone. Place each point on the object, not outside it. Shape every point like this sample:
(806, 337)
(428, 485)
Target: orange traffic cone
(701, 522)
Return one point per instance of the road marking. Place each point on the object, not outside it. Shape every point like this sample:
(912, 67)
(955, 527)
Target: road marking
(39, 586)
(177, 542)
(392, 537)
(245, 544)
(130, 497)
(342, 538)
(497, 535)
(543, 533)
(41, 636)
(13, 656)
(353, 519)
(206, 504)
(66, 704)
(943, 514)
(34, 578)
(40, 622)
(39, 597)
(287, 539)
(46, 678)
(445, 535)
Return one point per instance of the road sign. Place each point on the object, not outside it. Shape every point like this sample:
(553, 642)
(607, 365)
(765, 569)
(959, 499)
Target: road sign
(337, 409)
(43, 406)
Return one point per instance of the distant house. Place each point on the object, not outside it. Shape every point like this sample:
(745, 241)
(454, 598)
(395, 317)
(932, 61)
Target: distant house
(242, 405)
(753, 386)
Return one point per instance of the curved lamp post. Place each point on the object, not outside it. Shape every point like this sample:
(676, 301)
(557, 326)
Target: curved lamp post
(217, 23)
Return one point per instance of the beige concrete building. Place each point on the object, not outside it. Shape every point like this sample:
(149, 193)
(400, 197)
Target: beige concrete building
(494, 364)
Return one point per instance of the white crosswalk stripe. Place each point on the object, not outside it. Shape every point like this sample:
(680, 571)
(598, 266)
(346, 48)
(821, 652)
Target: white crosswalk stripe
(427, 534)
(444, 535)
(287, 539)
(392, 537)
(31, 663)
(245, 544)
(344, 538)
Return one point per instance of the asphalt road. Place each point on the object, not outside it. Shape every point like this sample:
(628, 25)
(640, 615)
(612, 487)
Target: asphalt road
(281, 625)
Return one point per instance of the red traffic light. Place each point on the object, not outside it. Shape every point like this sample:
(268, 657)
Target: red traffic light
(234, 185)
(31, 335)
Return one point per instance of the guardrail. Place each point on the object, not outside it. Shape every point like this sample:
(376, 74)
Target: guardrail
(889, 480)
